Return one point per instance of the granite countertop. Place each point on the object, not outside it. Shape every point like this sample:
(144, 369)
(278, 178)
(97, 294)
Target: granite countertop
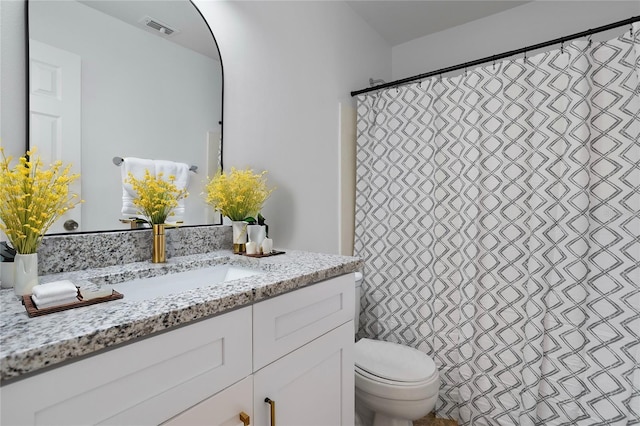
(30, 344)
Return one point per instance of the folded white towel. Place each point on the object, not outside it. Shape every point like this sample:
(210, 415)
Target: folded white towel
(54, 300)
(54, 290)
(41, 305)
(137, 167)
(181, 173)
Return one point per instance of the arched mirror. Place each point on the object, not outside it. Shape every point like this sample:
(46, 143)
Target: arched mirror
(117, 79)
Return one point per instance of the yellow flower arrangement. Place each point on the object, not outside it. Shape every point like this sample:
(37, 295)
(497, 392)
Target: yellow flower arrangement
(32, 199)
(156, 197)
(239, 195)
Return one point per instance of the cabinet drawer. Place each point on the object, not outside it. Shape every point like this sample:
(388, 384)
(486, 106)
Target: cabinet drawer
(285, 323)
(222, 409)
(143, 383)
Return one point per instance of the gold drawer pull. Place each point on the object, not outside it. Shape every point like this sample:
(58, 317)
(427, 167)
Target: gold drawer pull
(244, 418)
(272, 405)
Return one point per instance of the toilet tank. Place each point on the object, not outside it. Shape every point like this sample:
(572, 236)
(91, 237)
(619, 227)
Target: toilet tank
(356, 318)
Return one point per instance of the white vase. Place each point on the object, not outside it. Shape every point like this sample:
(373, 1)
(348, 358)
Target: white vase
(256, 234)
(25, 273)
(239, 235)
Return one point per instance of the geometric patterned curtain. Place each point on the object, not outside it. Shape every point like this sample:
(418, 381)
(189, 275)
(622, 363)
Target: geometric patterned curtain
(498, 214)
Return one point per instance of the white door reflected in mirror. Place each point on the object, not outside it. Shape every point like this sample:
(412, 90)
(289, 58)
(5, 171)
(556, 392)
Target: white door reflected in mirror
(54, 114)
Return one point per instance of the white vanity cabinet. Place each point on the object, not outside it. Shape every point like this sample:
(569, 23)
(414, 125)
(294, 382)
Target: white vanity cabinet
(303, 356)
(302, 362)
(313, 385)
(142, 383)
(295, 349)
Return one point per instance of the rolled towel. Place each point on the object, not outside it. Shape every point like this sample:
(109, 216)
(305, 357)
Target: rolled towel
(54, 290)
(41, 305)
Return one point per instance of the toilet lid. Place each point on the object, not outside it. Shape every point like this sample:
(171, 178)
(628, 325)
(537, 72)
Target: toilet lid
(392, 361)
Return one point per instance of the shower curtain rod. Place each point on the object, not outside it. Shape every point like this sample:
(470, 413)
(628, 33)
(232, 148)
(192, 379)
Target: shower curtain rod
(494, 58)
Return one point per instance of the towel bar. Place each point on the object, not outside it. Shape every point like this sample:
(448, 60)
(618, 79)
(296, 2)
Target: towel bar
(119, 160)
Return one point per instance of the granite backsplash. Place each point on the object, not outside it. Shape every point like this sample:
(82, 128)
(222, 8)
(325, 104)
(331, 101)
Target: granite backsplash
(74, 252)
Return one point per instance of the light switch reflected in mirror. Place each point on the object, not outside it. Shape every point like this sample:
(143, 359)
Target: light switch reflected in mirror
(124, 79)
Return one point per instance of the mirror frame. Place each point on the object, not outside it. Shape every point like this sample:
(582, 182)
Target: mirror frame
(28, 103)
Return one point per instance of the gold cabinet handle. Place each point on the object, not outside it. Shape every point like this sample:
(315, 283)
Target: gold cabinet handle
(245, 419)
(272, 405)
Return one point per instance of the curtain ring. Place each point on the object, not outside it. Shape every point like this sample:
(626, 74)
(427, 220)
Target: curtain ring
(589, 40)
(562, 47)
(630, 30)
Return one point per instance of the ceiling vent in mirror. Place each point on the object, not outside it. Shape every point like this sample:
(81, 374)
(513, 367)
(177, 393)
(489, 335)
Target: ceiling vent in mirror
(159, 26)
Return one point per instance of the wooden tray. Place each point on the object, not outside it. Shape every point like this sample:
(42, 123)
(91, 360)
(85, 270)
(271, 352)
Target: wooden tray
(273, 253)
(32, 311)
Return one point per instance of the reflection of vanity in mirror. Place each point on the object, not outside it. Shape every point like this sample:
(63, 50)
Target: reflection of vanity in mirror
(123, 79)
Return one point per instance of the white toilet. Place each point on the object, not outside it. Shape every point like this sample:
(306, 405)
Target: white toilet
(398, 384)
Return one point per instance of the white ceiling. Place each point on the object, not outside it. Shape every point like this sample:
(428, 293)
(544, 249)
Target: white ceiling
(192, 32)
(399, 21)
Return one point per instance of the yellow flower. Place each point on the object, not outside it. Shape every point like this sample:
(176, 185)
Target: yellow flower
(32, 199)
(156, 197)
(239, 194)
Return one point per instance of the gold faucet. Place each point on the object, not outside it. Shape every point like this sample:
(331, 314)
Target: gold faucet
(159, 251)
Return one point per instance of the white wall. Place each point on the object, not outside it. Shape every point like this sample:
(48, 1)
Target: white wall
(287, 68)
(12, 78)
(526, 25)
(142, 96)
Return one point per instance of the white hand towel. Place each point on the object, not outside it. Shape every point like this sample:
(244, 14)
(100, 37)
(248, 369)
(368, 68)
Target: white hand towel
(137, 167)
(181, 172)
(55, 300)
(41, 305)
(54, 290)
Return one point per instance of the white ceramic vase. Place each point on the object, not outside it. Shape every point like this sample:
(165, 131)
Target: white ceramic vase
(239, 236)
(25, 273)
(256, 234)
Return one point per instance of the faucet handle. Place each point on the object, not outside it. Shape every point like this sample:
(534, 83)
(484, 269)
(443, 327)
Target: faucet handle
(136, 223)
(173, 224)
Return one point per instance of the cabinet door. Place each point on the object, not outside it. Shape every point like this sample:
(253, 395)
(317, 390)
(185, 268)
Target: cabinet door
(231, 407)
(313, 385)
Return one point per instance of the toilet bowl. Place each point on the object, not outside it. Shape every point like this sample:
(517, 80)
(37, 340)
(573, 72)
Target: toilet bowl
(398, 384)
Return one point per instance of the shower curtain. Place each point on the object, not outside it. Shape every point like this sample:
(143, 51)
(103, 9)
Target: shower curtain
(498, 214)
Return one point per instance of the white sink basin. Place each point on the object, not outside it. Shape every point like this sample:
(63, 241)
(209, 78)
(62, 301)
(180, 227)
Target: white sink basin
(175, 283)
